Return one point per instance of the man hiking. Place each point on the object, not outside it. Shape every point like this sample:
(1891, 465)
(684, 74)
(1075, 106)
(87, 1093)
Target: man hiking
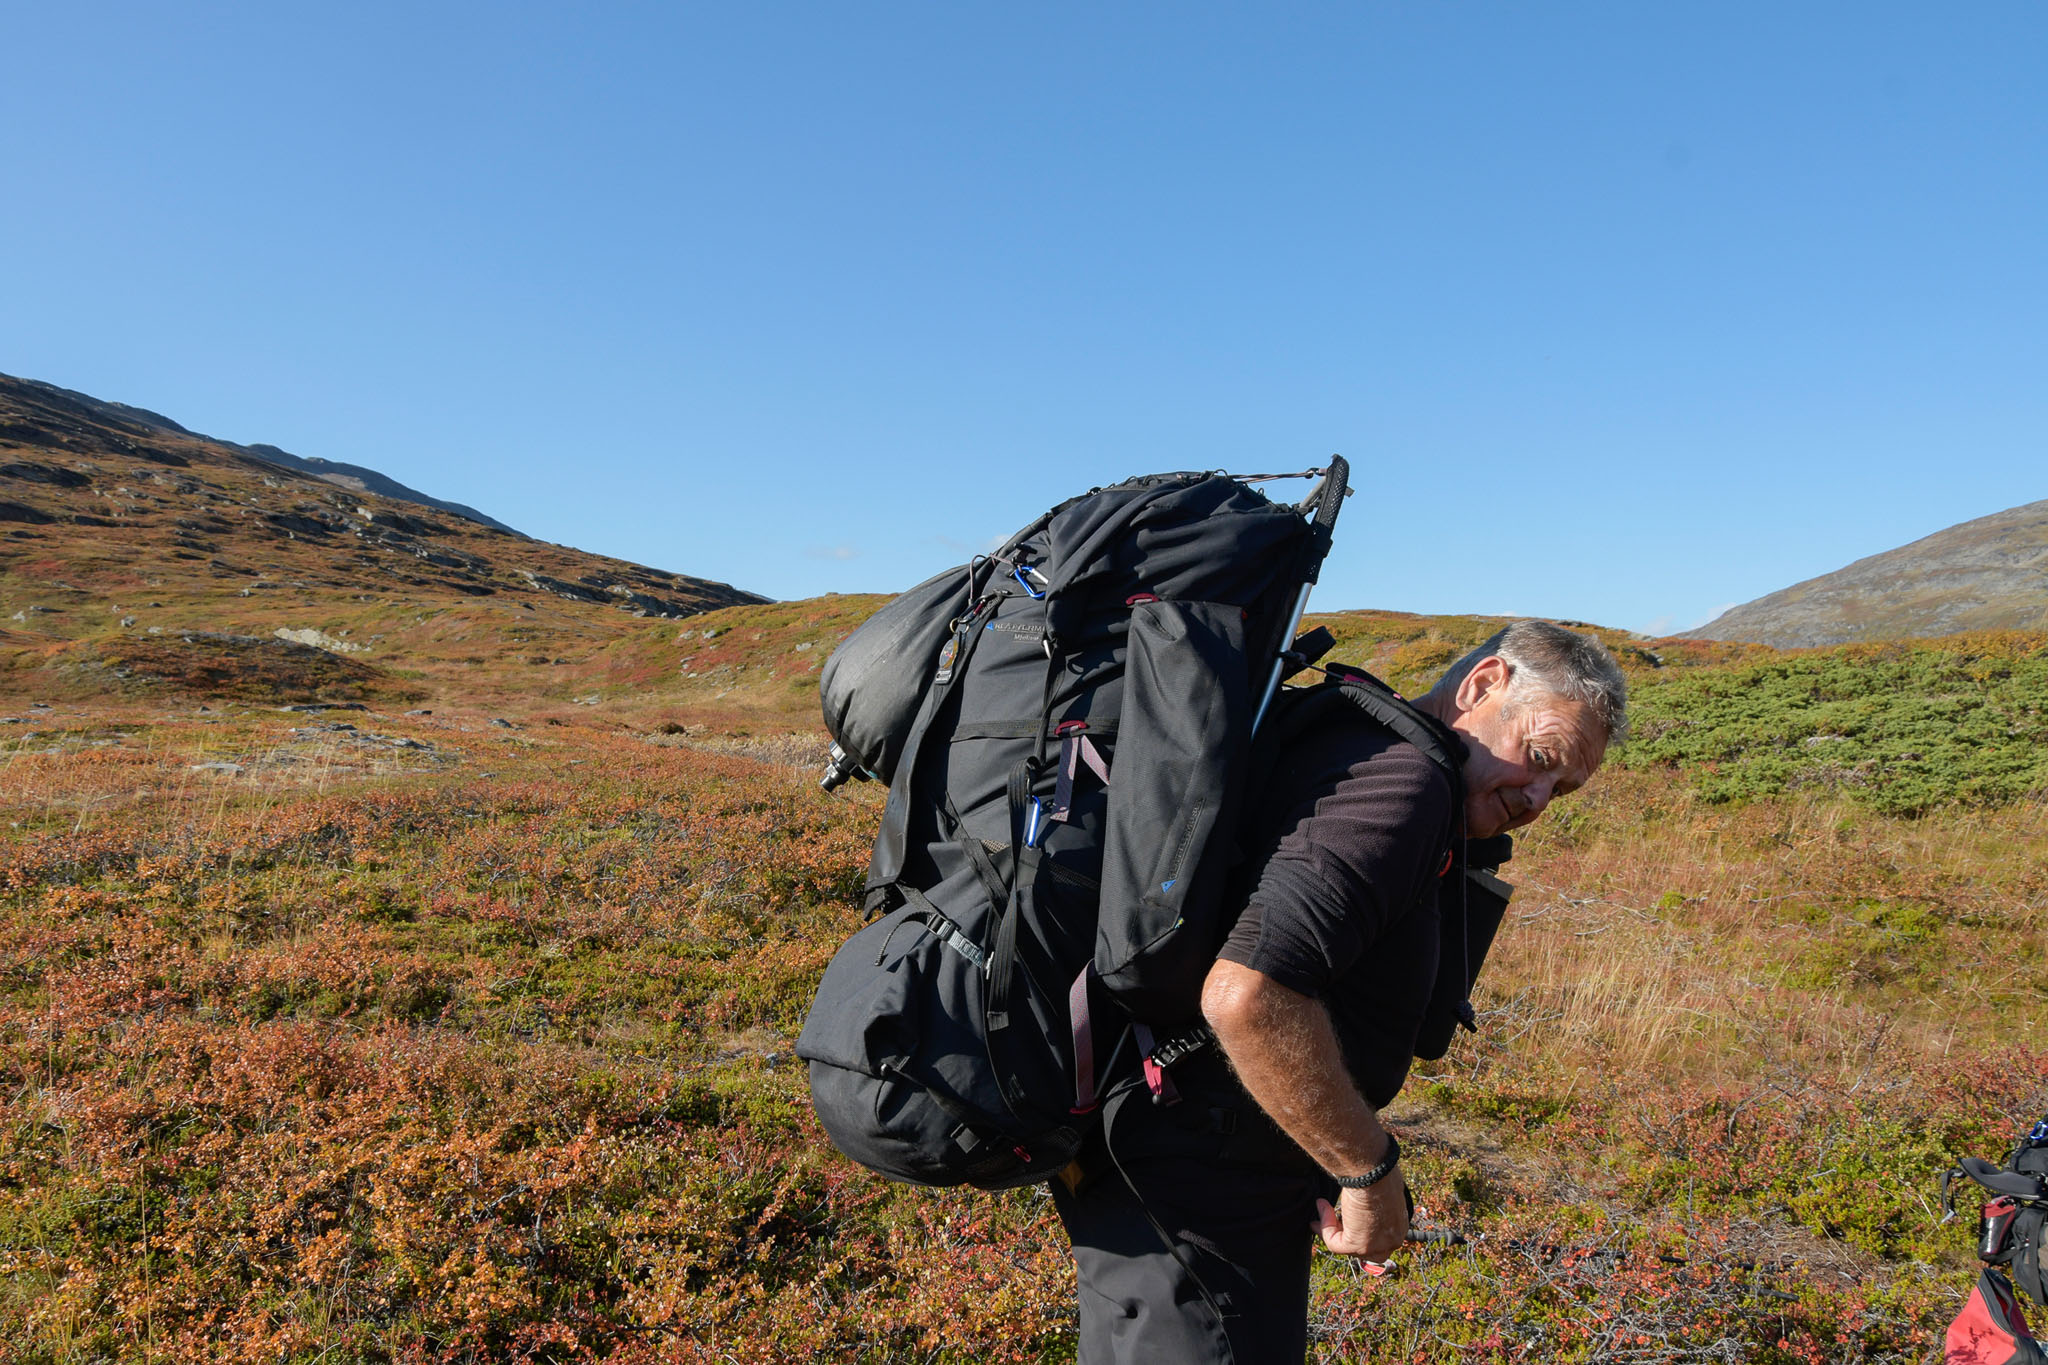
(1193, 1223)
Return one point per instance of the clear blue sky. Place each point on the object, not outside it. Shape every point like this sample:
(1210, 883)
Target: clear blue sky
(1621, 312)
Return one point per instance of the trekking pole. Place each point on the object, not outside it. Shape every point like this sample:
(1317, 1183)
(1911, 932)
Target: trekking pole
(1329, 498)
(1449, 1237)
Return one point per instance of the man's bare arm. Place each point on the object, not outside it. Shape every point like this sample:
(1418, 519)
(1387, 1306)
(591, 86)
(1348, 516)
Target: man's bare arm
(1285, 1051)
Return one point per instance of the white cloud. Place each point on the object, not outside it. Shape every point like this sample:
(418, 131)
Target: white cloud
(1668, 623)
(1716, 614)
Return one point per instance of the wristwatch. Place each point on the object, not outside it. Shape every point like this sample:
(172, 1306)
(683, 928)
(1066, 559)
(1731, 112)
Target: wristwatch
(1377, 1173)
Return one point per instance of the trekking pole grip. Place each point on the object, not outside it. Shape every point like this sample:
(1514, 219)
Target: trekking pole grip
(1336, 482)
(1329, 501)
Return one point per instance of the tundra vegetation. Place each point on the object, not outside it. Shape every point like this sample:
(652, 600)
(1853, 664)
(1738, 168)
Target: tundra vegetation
(432, 1032)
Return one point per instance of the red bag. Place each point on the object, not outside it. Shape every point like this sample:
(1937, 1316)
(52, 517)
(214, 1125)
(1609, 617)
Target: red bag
(1991, 1329)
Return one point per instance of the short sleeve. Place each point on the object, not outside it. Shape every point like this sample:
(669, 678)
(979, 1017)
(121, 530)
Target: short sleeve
(1349, 862)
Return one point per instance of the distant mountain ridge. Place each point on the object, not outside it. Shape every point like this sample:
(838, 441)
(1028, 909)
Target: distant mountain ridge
(138, 557)
(31, 394)
(362, 480)
(1986, 574)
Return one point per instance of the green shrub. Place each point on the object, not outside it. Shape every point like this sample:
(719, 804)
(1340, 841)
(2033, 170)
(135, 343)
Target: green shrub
(1901, 728)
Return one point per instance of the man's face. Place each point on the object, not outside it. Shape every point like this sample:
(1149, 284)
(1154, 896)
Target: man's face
(1520, 758)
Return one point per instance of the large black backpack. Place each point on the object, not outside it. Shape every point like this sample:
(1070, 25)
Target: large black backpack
(1065, 726)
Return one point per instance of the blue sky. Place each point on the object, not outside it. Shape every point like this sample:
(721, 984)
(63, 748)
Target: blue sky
(1621, 312)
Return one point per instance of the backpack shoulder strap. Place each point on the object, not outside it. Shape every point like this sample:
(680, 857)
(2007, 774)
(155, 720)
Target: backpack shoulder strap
(1298, 710)
(1438, 743)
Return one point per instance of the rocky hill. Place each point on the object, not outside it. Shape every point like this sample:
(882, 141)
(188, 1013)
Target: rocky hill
(1987, 574)
(135, 554)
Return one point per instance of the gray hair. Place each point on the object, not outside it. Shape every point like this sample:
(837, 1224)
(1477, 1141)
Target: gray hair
(1548, 659)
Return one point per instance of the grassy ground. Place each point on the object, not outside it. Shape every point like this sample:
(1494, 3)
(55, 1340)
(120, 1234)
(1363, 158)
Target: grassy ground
(372, 1035)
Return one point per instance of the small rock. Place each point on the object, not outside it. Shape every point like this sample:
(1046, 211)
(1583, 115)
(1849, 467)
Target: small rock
(224, 769)
(504, 724)
(127, 621)
(803, 645)
(403, 743)
(419, 713)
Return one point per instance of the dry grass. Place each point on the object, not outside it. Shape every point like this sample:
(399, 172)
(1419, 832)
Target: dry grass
(375, 1036)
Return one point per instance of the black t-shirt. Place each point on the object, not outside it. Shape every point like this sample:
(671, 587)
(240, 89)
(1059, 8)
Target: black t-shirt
(1347, 847)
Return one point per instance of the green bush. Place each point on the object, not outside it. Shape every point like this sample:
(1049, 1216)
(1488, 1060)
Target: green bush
(1901, 728)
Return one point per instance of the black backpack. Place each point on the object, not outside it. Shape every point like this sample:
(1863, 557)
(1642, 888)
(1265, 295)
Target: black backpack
(2012, 1226)
(1065, 726)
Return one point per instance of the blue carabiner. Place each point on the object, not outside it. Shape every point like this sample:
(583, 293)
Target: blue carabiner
(1018, 574)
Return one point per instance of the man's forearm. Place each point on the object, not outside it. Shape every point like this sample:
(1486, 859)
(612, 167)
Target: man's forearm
(1285, 1051)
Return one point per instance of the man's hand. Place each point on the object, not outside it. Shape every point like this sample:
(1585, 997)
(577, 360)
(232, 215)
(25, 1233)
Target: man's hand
(1372, 1222)
(1285, 1051)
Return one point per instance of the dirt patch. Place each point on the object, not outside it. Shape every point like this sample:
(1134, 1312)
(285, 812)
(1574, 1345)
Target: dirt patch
(785, 750)
(232, 667)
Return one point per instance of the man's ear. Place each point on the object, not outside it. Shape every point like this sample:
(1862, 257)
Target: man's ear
(1487, 676)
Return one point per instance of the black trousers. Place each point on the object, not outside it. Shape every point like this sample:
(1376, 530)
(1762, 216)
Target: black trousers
(1192, 1231)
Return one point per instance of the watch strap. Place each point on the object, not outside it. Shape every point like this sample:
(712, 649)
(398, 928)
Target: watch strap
(1377, 1173)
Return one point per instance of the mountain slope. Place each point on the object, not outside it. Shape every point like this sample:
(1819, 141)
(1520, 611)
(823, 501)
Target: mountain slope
(135, 553)
(1987, 574)
(362, 480)
(38, 415)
